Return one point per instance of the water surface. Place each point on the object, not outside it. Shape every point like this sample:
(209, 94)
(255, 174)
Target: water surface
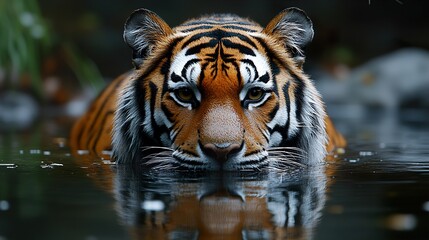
(377, 189)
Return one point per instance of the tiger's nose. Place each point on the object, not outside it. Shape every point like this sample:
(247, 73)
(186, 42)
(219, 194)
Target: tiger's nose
(219, 152)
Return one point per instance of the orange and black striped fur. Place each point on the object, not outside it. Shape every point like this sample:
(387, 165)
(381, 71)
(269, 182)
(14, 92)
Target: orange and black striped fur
(215, 93)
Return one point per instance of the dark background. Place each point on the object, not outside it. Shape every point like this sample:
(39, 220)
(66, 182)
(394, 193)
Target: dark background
(63, 53)
(346, 31)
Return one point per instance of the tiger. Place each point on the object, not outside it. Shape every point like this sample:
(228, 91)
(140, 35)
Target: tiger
(219, 92)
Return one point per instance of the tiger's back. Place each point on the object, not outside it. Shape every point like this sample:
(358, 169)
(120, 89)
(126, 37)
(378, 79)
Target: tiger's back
(184, 74)
(93, 131)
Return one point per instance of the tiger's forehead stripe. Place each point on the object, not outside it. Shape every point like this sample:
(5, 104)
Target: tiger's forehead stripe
(213, 21)
(230, 26)
(219, 34)
(220, 19)
(233, 43)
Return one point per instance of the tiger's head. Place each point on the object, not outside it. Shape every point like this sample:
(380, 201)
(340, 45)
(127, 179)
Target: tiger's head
(219, 93)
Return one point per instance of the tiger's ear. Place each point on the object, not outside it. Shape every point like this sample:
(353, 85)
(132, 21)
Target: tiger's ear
(294, 29)
(143, 29)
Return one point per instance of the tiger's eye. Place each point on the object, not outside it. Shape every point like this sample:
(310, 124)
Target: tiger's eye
(185, 94)
(255, 94)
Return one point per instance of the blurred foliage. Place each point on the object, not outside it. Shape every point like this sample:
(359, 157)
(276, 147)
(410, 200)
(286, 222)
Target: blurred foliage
(84, 68)
(26, 40)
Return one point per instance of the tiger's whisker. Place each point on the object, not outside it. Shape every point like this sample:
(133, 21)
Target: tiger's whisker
(287, 154)
(286, 148)
(286, 162)
(148, 148)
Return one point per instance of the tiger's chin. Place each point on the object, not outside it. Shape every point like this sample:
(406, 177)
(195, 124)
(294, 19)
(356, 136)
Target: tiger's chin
(250, 163)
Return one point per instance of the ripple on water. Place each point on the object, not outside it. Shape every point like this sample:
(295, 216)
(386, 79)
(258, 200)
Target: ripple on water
(8, 165)
(35, 151)
(366, 153)
(44, 165)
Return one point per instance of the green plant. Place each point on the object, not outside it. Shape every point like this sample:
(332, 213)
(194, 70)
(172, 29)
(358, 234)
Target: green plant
(25, 39)
(25, 36)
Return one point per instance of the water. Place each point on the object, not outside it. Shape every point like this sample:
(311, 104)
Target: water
(377, 189)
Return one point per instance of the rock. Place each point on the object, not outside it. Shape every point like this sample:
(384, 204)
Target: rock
(393, 81)
(17, 110)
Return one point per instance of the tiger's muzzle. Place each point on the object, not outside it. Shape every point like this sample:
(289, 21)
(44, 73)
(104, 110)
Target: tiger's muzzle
(221, 153)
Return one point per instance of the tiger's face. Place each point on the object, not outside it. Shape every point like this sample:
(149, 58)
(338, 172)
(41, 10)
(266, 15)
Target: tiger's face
(220, 105)
(219, 93)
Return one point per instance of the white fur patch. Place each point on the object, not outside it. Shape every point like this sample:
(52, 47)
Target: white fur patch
(248, 73)
(279, 119)
(293, 123)
(192, 73)
(147, 123)
(275, 139)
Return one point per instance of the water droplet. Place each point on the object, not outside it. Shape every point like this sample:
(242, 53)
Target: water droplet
(57, 164)
(50, 165)
(43, 166)
(153, 205)
(108, 162)
(105, 152)
(35, 151)
(82, 152)
(365, 153)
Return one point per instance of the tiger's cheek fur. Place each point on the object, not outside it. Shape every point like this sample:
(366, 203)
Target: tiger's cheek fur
(182, 123)
(257, 120)
(283, 123)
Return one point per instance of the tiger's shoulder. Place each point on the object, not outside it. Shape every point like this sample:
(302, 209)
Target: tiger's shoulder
(92, 132)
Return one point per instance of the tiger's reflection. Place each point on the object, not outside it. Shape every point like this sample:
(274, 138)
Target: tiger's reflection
(220, 205)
